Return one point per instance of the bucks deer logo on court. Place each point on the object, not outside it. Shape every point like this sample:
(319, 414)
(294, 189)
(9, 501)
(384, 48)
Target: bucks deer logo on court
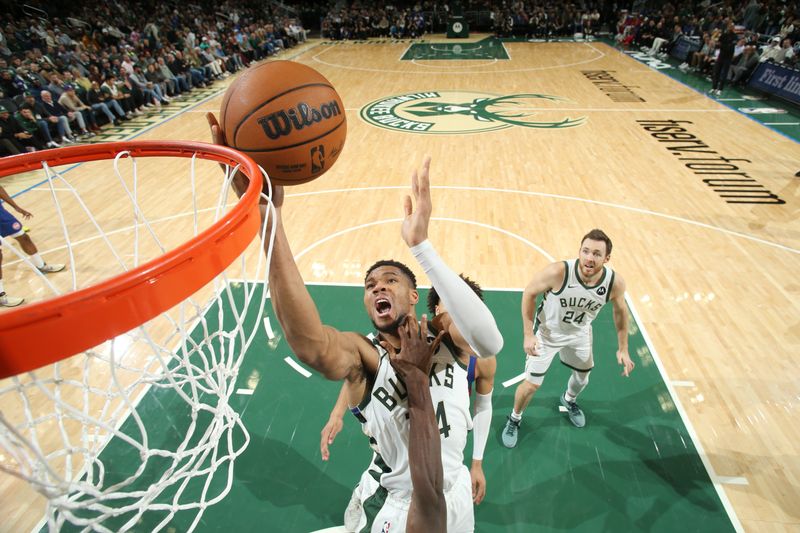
(448, 112)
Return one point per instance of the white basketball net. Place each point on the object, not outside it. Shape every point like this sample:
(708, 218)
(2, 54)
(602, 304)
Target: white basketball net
(139, 428)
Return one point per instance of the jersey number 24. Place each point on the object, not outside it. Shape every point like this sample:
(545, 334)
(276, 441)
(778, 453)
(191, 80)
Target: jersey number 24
(570, 318)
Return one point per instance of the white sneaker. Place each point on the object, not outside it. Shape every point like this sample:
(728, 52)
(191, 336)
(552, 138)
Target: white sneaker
(49, 269)
(10, 301)
(53, 144)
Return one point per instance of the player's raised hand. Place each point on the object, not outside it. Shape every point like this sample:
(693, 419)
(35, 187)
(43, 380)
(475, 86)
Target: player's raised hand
(416, 351)
(240, 181)
(415, 224)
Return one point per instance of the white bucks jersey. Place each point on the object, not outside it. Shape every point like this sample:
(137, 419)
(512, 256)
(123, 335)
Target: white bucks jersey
(384, 417)
(571, 309)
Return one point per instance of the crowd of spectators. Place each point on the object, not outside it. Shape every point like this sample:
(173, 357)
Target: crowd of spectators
(732, 37)
(635, 22)
(765, 30)
(362, 20)
(65, 75)
(399, 20)
(538, 20)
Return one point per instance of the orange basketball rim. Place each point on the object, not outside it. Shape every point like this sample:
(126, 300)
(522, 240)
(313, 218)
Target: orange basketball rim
(42, 333)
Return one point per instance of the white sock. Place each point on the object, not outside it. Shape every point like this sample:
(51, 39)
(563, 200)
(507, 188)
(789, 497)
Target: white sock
(2, 289)
(515, 416)
(38, 262)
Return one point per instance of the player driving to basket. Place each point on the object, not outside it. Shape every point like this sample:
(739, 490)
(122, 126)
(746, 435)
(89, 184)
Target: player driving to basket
(480, 372)
(374, 390)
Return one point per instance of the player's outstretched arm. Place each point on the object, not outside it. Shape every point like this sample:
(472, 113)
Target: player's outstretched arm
(550, 277)
(621, 323)
(333, 353)
(327, 350)
(471, 316)
(428, 509)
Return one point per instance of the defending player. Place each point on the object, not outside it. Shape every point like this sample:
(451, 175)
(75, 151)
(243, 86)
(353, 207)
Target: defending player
(11, 227)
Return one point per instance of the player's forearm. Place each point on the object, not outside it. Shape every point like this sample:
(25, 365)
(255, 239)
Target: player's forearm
(424, 446)
(528, 310)
(7, 199)
(340, 407)
(621, 323)
(471, 316)
(481, 423)
(293, 305)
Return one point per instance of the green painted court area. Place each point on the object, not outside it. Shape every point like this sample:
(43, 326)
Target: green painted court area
(489, 48)
(632, 468)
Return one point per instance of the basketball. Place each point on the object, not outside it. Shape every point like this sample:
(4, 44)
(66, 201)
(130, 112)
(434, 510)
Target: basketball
(288, 118)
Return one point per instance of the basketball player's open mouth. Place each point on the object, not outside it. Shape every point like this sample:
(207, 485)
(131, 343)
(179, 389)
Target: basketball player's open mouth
(383, 307)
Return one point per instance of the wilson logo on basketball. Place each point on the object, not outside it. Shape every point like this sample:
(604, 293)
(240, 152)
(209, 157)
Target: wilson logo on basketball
(282, 123)
(448, 112)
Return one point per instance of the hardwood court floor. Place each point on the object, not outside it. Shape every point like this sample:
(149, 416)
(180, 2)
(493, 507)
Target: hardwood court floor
(710, 281)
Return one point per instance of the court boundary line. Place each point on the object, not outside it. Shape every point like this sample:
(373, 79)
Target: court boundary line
(405, 51)
(297, 367)
(712, 475)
